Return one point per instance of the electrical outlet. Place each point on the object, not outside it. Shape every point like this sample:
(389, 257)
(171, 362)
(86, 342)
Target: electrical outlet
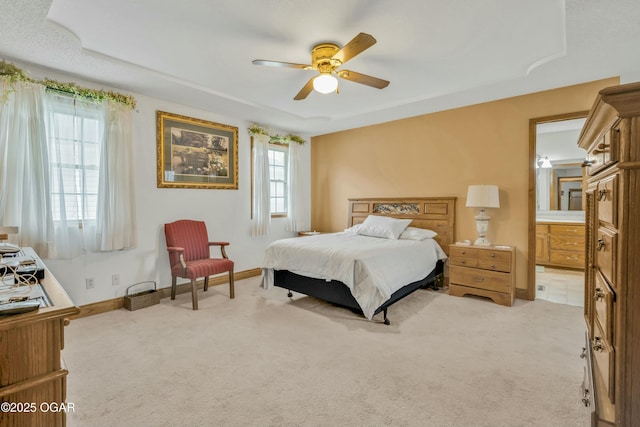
(89, 282)
(541, 287)
(115, 279)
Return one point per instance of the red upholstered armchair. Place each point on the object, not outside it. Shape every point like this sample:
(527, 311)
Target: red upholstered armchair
(189, 256)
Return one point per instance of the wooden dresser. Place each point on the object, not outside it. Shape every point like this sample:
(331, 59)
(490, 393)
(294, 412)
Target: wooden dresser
(33, 377)
(560, 244)
(486, 271)
(611, 136)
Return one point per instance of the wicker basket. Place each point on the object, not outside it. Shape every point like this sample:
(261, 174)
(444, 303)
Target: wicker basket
(141, 299)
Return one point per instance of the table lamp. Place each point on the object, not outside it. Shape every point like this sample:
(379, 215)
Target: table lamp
(483, 197)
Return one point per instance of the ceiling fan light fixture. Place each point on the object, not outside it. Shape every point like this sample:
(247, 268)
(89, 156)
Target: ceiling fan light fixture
(325, 83)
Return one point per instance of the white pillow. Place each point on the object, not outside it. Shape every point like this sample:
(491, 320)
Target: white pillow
(413, 233)
(383, 226)
(353, 229)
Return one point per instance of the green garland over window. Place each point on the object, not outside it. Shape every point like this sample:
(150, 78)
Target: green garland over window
(14, 74)
(276, 139)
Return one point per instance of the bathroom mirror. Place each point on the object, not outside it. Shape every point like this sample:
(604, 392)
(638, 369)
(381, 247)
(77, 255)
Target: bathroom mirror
(558, 165)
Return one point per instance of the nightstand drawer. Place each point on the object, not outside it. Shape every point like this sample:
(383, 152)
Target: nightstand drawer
(489, 255)
(493, 265)
(494, 260)
(467, 257)
(482, 279)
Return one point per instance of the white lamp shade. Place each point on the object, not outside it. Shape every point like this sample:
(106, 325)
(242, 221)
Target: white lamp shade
(325, 83)
(483, 196)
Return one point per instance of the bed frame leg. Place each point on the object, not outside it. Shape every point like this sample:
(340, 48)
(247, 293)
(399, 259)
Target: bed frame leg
(386, 319)
(290, 294)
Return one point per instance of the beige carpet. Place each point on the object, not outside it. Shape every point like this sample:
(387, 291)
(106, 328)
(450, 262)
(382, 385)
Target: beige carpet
(261, 360)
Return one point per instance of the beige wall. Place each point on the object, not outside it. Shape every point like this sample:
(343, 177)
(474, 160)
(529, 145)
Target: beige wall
(440, 154)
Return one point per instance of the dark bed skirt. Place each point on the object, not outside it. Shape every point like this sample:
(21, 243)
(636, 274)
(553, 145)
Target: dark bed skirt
(339, 294)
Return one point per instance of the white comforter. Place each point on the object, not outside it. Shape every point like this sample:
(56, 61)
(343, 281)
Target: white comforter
(372, 268)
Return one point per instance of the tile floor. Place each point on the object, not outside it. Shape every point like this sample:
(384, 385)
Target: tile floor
(560, 285)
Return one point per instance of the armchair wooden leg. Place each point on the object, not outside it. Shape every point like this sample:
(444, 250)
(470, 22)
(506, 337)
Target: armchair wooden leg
(173, 287)
(206, 283)
(194, 294)
(231, 289)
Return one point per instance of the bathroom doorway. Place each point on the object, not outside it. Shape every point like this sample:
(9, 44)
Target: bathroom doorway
(556, 213)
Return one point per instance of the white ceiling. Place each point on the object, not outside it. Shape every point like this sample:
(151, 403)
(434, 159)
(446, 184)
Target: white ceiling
(437, 54)
(558, 141)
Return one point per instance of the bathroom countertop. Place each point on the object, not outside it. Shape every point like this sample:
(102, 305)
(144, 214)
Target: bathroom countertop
(563, 221)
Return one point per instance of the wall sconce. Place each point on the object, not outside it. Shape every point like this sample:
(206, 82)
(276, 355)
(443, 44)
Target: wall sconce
(543, 163)
(483, 197)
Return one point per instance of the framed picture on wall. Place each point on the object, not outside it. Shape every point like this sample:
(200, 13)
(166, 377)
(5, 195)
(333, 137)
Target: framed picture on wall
(195, 153)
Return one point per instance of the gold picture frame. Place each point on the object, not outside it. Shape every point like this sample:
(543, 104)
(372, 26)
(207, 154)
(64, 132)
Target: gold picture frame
(196, 153)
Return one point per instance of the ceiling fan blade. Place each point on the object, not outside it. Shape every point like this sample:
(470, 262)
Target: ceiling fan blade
(364, 79)
(281, 64)
(359, 44)
(306, 90)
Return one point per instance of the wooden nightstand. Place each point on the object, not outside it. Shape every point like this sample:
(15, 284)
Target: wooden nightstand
(486, 271)
(308, 233)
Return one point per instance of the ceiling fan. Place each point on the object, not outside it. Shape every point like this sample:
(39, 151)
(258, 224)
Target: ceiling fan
(326, 58)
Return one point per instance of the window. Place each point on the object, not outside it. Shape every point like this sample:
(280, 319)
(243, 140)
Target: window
(74, 161)
(278, 179)
(75, 180)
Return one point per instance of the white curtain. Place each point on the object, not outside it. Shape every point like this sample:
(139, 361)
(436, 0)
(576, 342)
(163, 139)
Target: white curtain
(261, 201)
(24, 165)
(46, 168)
(295, 220)
(115, 222)
(74, 230)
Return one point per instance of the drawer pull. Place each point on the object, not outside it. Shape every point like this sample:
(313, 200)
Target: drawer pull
(493, 255)
(463, 262)
(601, 148)
(493, 266)
(597, 344)
(602, 195)
(478, 278)
(601, 245)
(598, 294)
(464, 252)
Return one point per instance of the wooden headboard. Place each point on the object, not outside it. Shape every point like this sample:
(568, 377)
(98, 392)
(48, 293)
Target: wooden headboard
(435, 213)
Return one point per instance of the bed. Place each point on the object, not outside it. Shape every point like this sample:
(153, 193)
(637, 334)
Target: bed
(363, 273)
